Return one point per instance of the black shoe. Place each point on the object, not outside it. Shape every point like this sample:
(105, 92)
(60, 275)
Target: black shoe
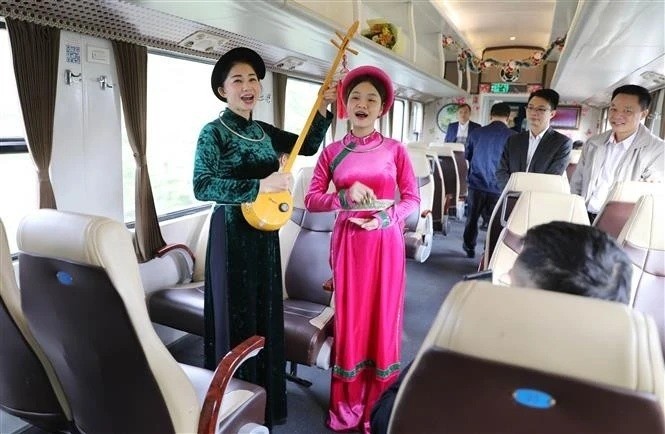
(470, 253)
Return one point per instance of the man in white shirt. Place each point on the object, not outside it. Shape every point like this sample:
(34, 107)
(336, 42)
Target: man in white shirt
(628, 152)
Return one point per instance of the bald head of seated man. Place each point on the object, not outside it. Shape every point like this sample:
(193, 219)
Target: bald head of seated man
(556, 256)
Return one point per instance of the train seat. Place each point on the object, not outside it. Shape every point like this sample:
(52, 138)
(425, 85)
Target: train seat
(439, 212)
(419, 226)
(308, 310)
(517, 183)
(29, 388)
(85, 304)
(521, 361)
(575, 155)
(643, 239)
(180, 305)
(531, 209)
(620, 203)
(458, 150)
(450, 173)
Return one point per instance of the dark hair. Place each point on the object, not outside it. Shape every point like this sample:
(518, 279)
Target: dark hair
(500, 109)
(550, 95)
(459, 106)
(229, 60)
(641, 93)
(366, 78)
(578, 144)
(575, 259)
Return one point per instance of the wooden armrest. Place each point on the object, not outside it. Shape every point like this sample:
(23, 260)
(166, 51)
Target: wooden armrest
(164, 250)
(225, 370)
(328, 285)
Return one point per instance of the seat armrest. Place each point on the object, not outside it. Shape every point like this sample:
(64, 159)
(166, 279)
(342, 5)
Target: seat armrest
(166, 249)
(225, 370)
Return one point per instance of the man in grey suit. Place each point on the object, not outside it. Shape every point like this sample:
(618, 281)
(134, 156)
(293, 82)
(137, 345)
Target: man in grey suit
(628, 152)
(540, 149)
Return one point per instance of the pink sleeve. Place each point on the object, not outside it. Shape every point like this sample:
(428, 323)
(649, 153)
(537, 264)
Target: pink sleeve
(317, 198)
(408, 190)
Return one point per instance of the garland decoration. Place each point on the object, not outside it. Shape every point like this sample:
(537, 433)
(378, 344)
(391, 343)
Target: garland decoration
(467, 61)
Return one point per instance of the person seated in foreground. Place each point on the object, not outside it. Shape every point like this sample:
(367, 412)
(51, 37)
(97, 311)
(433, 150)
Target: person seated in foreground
(556, 256)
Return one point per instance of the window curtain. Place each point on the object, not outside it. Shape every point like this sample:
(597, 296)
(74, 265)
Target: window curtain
(35, 51)
(132, 66)
(279, 99)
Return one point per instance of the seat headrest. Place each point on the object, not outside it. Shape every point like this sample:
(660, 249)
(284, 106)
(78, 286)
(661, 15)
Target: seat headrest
(573, 336)
(575, 155)
(419, 161)
(301, 184)
(631, 191)
(537, 207)
(644, 228)
(73, 237)
(454, 146)
(441, 149)
(528, 181)
(417, 145)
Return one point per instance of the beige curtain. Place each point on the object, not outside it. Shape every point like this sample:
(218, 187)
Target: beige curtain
(132, 65)
(35, 52)
(279, 99)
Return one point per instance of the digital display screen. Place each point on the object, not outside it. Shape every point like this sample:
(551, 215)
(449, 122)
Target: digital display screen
(500, 88)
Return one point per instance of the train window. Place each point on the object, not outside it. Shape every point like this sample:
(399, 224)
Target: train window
(18, 178)
(11, 119)
(398, 120)
(416, 120)
(179, 104)
(300, 96)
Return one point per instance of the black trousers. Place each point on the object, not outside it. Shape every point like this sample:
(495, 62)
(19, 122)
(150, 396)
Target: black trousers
(478, 201)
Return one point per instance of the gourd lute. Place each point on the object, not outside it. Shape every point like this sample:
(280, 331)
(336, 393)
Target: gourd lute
(271, 211)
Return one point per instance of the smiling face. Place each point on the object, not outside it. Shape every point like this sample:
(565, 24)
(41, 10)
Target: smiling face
(625, 115)
(539, 113)
(241, 89)
(364, 106)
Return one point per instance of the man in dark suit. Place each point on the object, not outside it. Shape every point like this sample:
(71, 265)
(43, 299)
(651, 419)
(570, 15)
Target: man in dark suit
(459, 131)
(540, 149)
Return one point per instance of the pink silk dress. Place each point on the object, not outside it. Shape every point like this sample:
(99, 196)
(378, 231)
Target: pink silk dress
(368, 271)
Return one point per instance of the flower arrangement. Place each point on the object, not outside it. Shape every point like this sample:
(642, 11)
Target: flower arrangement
(382, 32)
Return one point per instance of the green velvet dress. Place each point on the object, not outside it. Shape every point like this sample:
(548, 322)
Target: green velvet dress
(243, 288)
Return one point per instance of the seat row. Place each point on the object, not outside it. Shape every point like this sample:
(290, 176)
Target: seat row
(631, 214)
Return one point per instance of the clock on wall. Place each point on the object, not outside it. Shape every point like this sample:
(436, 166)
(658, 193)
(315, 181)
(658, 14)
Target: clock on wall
(446, 115)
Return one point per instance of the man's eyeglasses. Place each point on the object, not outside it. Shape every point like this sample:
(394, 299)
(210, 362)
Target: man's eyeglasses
(539, 110)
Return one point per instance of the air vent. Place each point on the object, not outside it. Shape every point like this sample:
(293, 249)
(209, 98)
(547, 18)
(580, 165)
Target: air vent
(289, 63)
(203, 41)
(656, 77)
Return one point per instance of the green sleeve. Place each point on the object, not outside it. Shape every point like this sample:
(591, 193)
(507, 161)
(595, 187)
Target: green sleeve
(283, 141)
(214, 164)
